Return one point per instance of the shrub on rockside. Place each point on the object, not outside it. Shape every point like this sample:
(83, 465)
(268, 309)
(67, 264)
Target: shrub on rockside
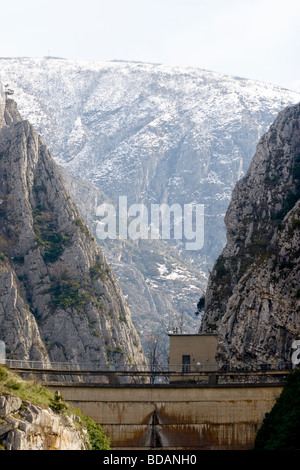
(280, 429)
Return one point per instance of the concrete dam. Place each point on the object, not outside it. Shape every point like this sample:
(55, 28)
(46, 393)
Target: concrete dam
(139, 417)
(194, 405)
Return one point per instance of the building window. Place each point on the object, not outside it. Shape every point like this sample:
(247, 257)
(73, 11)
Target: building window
(186, 363)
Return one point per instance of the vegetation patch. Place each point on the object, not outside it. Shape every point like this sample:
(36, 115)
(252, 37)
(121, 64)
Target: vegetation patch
(82, 226)
(295, 224)
(48, 236)
(200, 305)
(272, 180)
(293, 194)
(66, 294)
(57, 404)
(97, 439)
(222, 278)
(220, 270)
(280, 429)
(99, 271)
(12, 384)
(28, 391)
(7, 242)
(212, 326)
(111, 352)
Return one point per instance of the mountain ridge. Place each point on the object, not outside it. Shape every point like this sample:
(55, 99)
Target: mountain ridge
(157, 134)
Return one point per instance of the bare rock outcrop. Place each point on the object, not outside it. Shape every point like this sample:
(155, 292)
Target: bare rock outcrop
(24, 426)
(253, 295)
(60, 301)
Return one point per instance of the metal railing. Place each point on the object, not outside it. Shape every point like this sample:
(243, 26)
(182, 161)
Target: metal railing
(170, 368)
(61, 366)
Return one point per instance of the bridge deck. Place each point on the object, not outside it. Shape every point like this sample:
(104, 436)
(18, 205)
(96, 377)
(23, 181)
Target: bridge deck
(158, 378)
(149, 373)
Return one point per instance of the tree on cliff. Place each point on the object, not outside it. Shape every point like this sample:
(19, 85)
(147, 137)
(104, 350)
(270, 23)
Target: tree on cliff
(280, 429)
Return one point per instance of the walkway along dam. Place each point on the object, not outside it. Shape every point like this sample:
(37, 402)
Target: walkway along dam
(203, 410)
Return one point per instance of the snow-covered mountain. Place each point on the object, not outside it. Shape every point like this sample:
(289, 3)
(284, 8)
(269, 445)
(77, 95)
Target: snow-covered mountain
(155, 134)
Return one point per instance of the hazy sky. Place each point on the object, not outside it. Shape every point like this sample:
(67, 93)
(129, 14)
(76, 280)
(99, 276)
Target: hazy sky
(257, 39)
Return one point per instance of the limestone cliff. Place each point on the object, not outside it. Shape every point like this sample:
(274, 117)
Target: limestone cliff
(253, 294)
(25, 426)
(60, 300)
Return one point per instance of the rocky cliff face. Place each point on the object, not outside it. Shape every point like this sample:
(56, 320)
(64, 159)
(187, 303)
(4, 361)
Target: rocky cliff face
(156, 134)
(253, 294)
(24, 426)
(161, 287)
(60, 300)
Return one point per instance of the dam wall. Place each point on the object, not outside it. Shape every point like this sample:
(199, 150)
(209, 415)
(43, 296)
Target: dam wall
(175, 417)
